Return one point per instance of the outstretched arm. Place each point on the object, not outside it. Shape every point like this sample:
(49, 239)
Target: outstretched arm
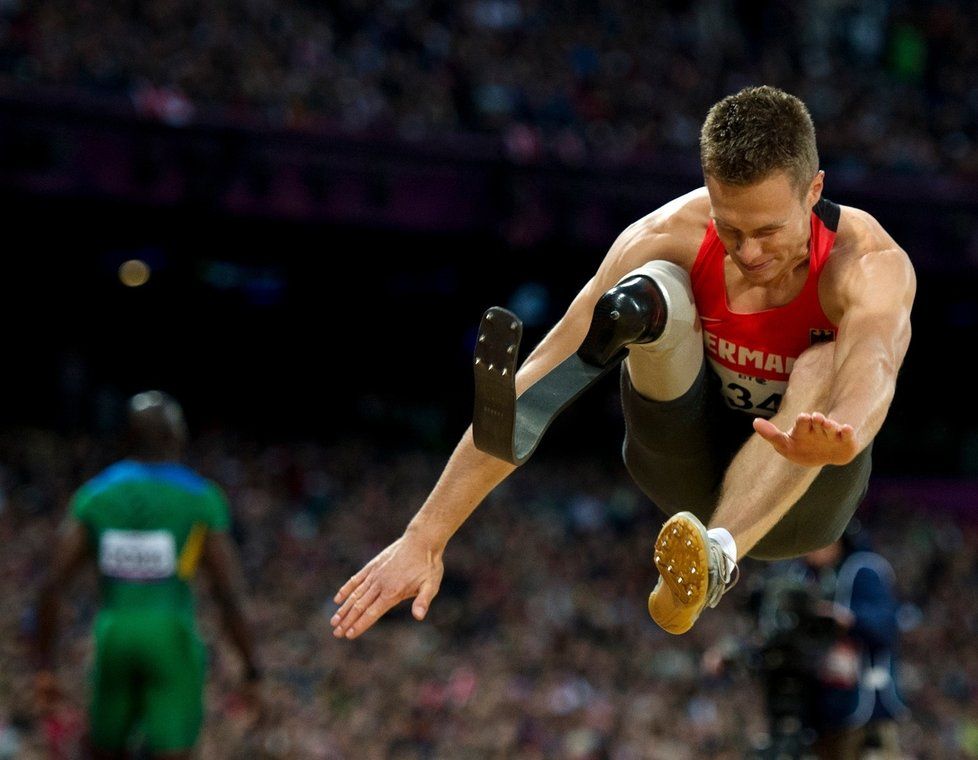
(412, 565)
(852, 380)
(875, 294)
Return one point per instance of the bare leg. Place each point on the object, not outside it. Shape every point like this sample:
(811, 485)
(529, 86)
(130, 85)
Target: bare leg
(761, 486)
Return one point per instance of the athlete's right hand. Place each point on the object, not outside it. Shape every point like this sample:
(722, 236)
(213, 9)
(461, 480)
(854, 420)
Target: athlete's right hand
(407, 568)
(252, 695)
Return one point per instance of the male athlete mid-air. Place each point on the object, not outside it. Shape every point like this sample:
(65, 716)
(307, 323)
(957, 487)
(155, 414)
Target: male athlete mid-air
(764, 328)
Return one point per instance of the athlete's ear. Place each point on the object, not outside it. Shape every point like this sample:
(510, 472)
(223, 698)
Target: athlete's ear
(815, 189)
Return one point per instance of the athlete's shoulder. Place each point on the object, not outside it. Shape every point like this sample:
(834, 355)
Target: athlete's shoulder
(85, 499)
(128, 470)
(864, 258)
(673, 232)
(203, 497)
(112, 475)
(860, 234)
(182, 476)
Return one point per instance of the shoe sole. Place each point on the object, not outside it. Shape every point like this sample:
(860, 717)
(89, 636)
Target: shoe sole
(682, 559)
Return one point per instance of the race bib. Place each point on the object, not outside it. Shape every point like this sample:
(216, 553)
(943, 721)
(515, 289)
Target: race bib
(750, 394)
(138, 555)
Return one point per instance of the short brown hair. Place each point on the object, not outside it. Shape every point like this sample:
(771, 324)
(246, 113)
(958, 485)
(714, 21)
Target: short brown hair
(755, 132)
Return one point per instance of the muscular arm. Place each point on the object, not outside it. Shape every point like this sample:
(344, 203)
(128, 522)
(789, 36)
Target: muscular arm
(71, 553)
(471, 474)
(412, 566)
(874, 335)
(870, 296)
(874, 294)
(220, 562)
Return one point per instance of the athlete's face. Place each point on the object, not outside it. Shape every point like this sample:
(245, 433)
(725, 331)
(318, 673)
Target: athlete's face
(764, 227)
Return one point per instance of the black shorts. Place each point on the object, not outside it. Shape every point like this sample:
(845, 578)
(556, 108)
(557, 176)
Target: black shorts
(678, 452)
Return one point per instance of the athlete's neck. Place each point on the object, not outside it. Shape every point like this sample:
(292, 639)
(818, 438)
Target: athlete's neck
(745, 296)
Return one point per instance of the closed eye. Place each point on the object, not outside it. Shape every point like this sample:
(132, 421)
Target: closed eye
(758, 233)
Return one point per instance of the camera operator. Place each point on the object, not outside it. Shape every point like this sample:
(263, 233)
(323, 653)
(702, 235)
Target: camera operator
(827, 627)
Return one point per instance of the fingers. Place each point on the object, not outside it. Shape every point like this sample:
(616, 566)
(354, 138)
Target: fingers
(767, 429)
(781, 441)
(401, 571)
(820, 424)
(812, 422)
(830, 428)
(360, 601)
(353, 597)
(351, 584)
(361, 610)
(365, 620)
(423, 601)
(813, 440)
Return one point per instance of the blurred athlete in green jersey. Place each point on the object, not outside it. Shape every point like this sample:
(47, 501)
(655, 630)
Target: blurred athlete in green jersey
(147, 521)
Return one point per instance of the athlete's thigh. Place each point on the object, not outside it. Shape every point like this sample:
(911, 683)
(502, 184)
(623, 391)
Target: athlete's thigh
(174, 689)
(820, 516)
(678, 451)
(115, 701)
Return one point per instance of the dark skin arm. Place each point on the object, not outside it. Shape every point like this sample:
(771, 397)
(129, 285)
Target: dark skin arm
(220, 561)
(71, 553)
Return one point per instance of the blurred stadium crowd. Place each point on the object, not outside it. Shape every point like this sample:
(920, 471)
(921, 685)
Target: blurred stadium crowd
(539, 644)
(890, 84)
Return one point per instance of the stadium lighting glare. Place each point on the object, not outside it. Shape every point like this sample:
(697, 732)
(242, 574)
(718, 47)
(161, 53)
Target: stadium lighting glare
(134, 273)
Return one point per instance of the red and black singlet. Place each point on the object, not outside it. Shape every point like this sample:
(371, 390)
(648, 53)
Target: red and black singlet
(754, 353)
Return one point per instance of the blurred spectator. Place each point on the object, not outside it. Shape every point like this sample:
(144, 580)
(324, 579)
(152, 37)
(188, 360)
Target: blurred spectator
(860, 702)
(890, 85)
(529, 654)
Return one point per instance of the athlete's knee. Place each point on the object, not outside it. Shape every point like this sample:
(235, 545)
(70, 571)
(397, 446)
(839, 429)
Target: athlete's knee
(677, 293)
(665, 368)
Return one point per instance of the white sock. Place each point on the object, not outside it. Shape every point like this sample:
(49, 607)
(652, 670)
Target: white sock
(722, 536)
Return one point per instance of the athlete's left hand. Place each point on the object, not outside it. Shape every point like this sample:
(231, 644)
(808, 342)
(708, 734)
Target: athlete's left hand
(814, 440)
(47, 691)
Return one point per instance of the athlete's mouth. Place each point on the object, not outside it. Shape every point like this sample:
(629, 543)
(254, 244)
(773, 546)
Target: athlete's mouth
(756, 267)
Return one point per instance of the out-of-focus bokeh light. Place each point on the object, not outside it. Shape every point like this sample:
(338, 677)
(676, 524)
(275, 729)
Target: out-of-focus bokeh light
(134, 273)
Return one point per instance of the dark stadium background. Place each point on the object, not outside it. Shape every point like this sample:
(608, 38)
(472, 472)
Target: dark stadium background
(328, 196)
(325, 324)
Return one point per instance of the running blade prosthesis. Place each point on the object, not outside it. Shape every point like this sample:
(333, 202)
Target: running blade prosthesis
(508, 427)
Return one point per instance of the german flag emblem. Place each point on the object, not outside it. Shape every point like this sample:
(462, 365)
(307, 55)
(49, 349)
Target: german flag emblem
(817, 335)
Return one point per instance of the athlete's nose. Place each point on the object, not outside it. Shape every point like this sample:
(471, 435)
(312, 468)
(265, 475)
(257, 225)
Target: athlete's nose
(749, 250)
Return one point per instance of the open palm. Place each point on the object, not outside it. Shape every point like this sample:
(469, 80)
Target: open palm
(814, 440)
